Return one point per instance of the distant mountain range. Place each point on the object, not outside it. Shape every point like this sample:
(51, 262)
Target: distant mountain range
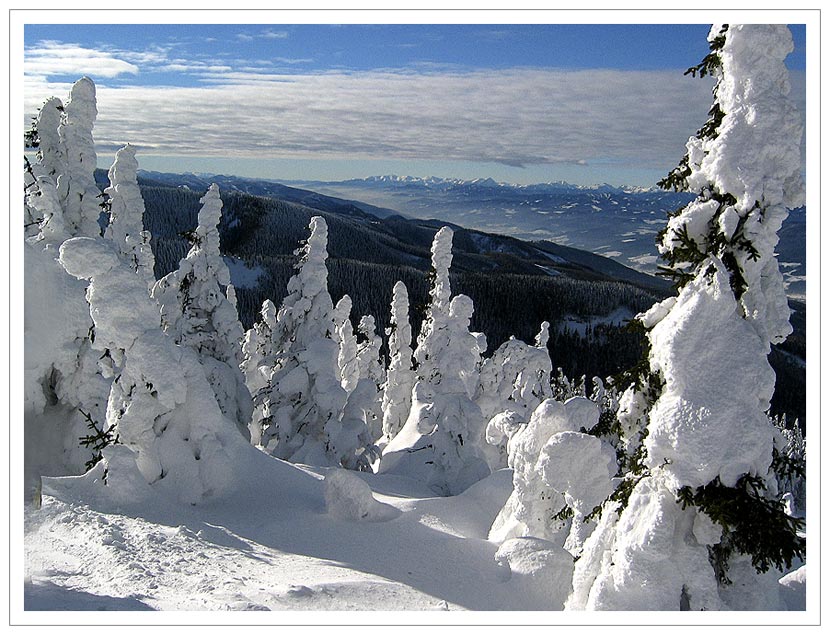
(617, 222)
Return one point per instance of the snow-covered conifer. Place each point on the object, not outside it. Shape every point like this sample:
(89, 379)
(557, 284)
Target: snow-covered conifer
(559, 475)
(44, 213)
(126, 206)
(515, 378)
(303, 402)
(196, 312)
(347, 355)
(400, 377)
(441, 441)
(440, 293)
(64, 388)
(80, 196)
(258, 349)
(698, 522)
(161, 406)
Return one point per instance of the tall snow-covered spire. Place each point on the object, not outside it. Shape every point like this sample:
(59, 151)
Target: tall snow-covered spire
(51, 154)
(77, 189)
(400, 377)
(258, 349)
(347, 356)
(441, 442)
(126, 226)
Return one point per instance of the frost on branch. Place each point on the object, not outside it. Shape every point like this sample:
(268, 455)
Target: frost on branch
(196, 312)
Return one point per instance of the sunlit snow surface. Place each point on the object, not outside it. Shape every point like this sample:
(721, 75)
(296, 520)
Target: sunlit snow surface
(269, 544)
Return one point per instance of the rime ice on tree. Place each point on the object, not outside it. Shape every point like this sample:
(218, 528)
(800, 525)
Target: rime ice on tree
(441, 440)
(79, 195)
(126, 226)
(397, 390)
(258, 349)
(708, 440)
(160, 405)
(62, 379)
(515, 379)
(347, 355)
(197, 313)
(303, 403)
(372, 376)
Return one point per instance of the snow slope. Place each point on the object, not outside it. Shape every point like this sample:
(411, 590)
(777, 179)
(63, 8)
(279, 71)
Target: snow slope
(270, 543)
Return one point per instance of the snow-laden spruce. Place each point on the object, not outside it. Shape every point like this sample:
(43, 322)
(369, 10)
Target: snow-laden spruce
(63, 387)
(680, 539)
(126, 207)
(400, 377)
(79, 195)
(160, 406)
(370, 366)
(258, 349)
(196, 312)
(441, 441)
(300, 416)
(347, 353)
(559, 474)
(515, 379)
(44, 213)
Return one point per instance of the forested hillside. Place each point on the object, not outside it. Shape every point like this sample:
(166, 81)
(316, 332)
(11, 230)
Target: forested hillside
(515, 285)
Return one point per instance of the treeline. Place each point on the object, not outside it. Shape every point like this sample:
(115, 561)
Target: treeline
(368, 255)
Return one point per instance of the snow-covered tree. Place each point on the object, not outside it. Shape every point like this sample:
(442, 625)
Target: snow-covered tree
(441, 441)
(44, 213)
(78, 193)
(196, 312)
(303, 401)
(697, 523)
(559, 475)
(160, 406)
(126, 207)
(64, 390)
(516, 379)
(347, 354)
(400, 377)
(372, 376)
(258, 349)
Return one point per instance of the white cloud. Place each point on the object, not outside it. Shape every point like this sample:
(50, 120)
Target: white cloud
(515, 117)
(275, 35)
(55, 58)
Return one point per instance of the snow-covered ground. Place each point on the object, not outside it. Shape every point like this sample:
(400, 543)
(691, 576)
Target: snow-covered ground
(283, 537)
(271, 542)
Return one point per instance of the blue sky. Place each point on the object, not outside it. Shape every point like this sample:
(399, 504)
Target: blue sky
(519, 103)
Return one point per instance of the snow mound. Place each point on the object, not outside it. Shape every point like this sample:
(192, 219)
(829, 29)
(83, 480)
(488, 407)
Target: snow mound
(348, 497)
(531, 564)
(793, 589)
